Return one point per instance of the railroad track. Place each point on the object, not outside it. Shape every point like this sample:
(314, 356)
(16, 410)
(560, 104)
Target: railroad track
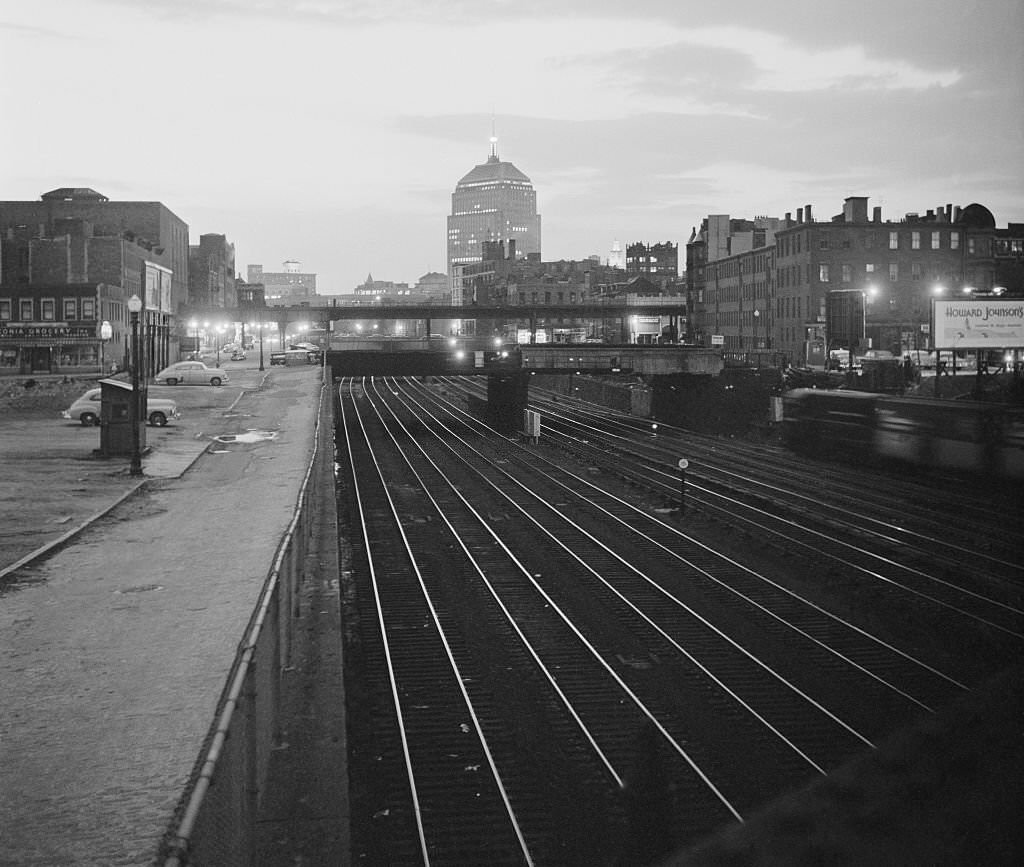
(519, 619)
(941, 578)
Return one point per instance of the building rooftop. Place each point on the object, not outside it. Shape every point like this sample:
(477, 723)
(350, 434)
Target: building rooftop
(77, 194)
(494, 170)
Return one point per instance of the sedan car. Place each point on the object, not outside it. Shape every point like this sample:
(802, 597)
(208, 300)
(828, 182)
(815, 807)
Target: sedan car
(191, 373)
(87, 409)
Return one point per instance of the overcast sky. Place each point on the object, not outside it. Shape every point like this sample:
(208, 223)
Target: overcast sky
(334, 131)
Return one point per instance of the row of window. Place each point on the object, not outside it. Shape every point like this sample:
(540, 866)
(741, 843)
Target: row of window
(736, 292)
(743, 318)
(827, 272)
(559, 297)
(1009, 246)
(45, 309)
(792, 244)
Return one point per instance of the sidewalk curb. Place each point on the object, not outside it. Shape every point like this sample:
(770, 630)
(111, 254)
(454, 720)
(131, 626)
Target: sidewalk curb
(50, 547)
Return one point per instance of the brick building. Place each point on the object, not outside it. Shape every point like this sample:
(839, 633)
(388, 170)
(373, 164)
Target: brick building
(653, 260)
(768, 292)
(284, 288)
(434, 285)
(69, 263)
(501, 278)
(211, 271)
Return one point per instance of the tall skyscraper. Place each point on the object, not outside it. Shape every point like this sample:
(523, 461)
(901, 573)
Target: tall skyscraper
(494, 202)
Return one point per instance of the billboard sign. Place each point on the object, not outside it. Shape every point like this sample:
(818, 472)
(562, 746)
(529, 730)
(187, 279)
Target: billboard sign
(158, 287)
(844, 318)
(978, 323)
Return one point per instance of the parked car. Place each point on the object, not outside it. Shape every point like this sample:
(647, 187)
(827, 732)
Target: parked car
(87, 409)
(294, 356)
(191, 373)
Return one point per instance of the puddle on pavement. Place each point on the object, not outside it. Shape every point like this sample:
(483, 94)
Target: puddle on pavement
(250, 436)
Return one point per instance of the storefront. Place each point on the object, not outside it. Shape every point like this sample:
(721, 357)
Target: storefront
(27, 348)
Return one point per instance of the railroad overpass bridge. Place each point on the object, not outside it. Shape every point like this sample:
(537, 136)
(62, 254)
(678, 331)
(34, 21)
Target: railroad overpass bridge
(475, 356)
(617, 311)
(509, 368)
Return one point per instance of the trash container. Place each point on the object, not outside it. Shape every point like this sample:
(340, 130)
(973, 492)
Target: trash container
(116, 419)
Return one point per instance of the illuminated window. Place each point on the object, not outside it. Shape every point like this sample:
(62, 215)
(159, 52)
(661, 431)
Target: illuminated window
(954, 240)
(847, 273)
(915, 240)
(5, 309)
(894, 272)
(869, 268)
(25, 309)
(823, 273)
(88, 308)
(70, 309)
(936, 240)
(894, 240)
(49, 310)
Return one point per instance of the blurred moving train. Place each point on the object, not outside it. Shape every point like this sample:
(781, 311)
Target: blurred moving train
(978, 438)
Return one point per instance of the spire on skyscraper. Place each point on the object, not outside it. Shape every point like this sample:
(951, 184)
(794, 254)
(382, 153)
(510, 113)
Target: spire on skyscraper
(494, 144)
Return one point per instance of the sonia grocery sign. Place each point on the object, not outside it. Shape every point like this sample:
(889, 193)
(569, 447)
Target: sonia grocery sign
(978, 323)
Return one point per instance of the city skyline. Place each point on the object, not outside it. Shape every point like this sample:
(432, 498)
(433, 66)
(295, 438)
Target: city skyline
(334, 132)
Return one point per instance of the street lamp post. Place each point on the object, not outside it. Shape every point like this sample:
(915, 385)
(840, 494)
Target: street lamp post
(106, 332)
(261, 342)
(220, 332)
(134, 307)
(757, 344)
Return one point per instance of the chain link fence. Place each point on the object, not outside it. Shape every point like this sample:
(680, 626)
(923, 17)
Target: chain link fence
(214, 823)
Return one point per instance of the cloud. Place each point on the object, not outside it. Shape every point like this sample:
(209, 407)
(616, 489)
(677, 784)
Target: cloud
(11, 29)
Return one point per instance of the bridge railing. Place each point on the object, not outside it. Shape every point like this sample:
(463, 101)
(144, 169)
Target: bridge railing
(215, 820)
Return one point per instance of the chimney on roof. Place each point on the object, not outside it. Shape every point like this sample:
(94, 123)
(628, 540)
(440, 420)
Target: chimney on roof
(940, 214)
(512, 249)
(789, 218)
(855, 209)
(876, 214)
(956, 214)
(799, 215)
(807, 213)
(949, 213)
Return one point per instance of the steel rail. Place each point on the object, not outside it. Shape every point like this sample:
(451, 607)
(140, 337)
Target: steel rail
(623, 686)
(845, 546)
(823, 509)
(396, 699)
(762, 578)
(643, 616)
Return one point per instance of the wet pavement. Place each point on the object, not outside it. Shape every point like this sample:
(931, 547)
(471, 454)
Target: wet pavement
(115, 645)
